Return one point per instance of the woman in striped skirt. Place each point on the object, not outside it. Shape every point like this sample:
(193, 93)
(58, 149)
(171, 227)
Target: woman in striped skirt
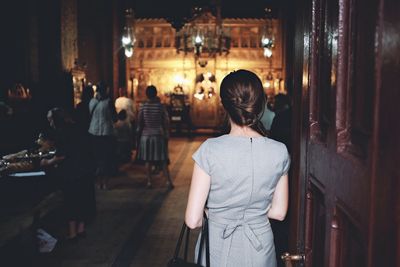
(153, 133)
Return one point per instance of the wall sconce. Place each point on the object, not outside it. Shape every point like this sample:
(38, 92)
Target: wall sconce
(128, 37)
(268, 38)
(198, 42)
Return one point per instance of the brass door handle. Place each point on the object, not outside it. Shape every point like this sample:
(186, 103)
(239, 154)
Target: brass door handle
(288, 259)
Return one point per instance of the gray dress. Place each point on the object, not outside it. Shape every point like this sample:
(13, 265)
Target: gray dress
(244, 173)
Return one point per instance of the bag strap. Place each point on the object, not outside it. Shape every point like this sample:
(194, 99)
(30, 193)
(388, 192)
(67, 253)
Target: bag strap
(185, 253)
(179, 243)
(207, 241)
(204, 237)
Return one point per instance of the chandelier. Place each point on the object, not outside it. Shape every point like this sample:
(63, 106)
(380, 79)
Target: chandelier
(268, 38)
(203, 34)
(128, 37)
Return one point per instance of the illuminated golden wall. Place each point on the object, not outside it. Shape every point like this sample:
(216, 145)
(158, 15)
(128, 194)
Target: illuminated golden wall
(155, 61)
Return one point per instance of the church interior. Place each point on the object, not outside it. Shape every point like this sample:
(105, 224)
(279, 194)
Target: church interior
(337, 63)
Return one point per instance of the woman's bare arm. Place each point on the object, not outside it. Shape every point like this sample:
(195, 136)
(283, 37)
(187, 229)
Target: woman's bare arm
(198, 193)
(279, 205)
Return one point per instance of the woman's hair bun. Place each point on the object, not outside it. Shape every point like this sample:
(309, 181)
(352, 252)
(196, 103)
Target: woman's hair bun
(243, 97)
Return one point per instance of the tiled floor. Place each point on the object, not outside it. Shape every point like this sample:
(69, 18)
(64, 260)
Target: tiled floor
(134, 226)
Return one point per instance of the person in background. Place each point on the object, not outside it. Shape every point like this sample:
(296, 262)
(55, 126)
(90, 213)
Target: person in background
(82, 115)
(152, 132)
(241, 179)
(267, 116)
(126, 103)
(103, 116)
(281, 124)
(74, 169)
(123, 135)
(281, 131)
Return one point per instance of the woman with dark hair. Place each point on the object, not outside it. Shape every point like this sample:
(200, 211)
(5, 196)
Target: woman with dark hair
(153, 132)
(240, 179)
(74, 169)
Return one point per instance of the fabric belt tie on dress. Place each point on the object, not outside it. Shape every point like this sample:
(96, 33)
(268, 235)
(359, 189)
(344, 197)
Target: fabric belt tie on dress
(230, 228)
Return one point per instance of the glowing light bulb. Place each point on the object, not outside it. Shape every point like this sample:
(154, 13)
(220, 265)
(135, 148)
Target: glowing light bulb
(199, 96)
(126, 40)
(128, 52)
(198, 39)
(178, 79)
(267, 52)
(265, 41)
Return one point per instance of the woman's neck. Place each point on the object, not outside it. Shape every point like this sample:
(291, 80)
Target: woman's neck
(244, 131)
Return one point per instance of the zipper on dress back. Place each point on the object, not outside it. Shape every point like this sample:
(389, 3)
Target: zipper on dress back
(252, 168)
(252, 176)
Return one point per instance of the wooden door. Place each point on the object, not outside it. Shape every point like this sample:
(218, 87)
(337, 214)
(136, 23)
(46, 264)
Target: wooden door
(345, 183)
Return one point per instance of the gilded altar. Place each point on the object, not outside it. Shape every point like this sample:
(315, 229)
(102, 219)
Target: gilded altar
(155, 61)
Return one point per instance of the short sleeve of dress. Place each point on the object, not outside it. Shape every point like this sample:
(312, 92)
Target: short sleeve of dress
(285, 162)
(201, 157)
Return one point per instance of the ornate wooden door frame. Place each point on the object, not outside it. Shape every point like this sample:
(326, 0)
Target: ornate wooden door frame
(345, 182)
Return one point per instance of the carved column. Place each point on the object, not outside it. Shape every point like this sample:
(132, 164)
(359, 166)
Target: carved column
(69, 34)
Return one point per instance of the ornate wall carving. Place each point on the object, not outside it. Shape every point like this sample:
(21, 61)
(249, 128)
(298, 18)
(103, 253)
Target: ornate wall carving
(155, 61)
